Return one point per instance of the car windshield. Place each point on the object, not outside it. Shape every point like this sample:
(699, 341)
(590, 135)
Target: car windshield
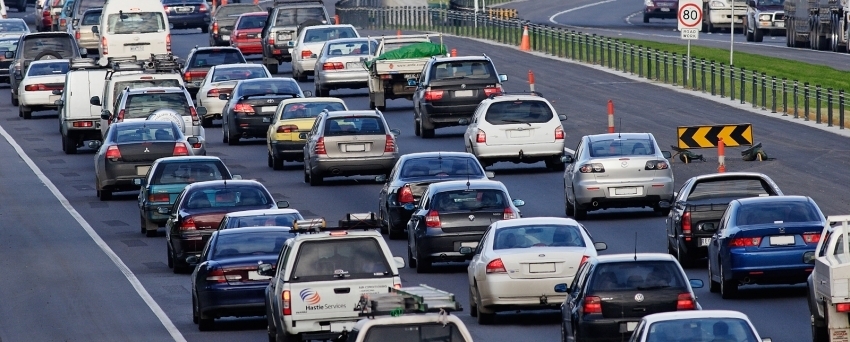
(701, 329)
(247, 244)
(352, 48)
(142, 105)
(518, 112)
(295, 16)
(91, 18)
(354, 125)
(149, 133)
(346, 258)
(236, 9)
(135, 23)
(469, 199)
(85, 5)
(740, 187)
(318, 35)
(208, 58)
(232, 196)
(542, 235)
(304, 110)
(11, 26)
(463, 70)
(186, 172)
(281, 220)
(776, 212)
(47, 47)
(247, 72)
(636, 276)
(269, 87)
(52, 68)
(247, 22)
(622, 147)
(440, 167)
(421, 332)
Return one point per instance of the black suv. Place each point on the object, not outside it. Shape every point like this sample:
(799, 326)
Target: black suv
(286, 19)
(449, 90)
(202, 59)
(38, 46)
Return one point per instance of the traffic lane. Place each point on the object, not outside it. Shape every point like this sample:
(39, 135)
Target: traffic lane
(61, 285)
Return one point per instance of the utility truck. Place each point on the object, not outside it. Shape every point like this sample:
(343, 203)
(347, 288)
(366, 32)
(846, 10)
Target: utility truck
(829, 283)
(817, 24)
(398, 65)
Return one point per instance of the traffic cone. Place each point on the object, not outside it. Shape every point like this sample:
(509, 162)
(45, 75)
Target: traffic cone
(525, 44)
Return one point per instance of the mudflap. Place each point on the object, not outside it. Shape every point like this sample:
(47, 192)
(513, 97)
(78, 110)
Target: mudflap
(267, 60)
(378, 98)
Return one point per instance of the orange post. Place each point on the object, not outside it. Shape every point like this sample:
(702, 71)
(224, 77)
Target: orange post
(525, 44)
(531, 81)
(611, 116)
(223, 2)
(336, 19)
(398, 32)
(454, 53)
(256, 2)
(721, 155)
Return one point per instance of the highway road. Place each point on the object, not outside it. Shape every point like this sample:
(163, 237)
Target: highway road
(623, 19)
(63, 286)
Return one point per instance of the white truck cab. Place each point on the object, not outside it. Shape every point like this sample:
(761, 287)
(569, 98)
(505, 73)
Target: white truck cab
(829, 283)
(132, 28)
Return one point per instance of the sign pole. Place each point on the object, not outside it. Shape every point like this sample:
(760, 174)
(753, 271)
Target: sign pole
(689, 18)
(732, 35)
(688, 71)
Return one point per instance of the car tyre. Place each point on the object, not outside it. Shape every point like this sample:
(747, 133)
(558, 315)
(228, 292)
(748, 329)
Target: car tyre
(272, 68)
(322, 92)
(168, 255)
(207, 122)
(104, 194)
(276, 164)
(151, 230)
(205, 29)
(233, 139)
(25, 112)
(425, 133)
(568, 207)
(819, 333)
(645, 19)
(410, 260)
(728, 288)
(315, 180)
(484, 318)
(684, 258)
(555, 164)
(14, 100)
(713, 286)
(579, 213)
(423, 265)
(416, 128)
(69, 146)
(194, 310)
(395, 234)
(758, 35)
(205, 324)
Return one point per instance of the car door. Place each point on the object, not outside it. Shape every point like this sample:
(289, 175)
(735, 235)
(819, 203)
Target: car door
(383, 195)
(276, 287)
(570, 169)
(472, 128)
(479, 259)
(312, 137)
(420, 87)
(717, 240)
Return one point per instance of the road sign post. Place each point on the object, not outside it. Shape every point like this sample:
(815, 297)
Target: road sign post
(690, 22)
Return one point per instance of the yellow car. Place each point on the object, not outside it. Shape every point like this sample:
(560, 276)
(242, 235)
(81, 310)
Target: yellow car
(293, 119)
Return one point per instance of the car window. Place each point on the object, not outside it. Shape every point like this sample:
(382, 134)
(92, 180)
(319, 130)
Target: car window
(248, 22)
(235, 74)
(8, 45)
(701, 329)
(91, 18)
(636, 336)
(135, 23)
(282, 220)
(37, 46)
(355, 48)
(354, 125)
(636, 276)
(85, 5)
(150, 133)
(349, 258)
(440, 167)
(305, 110)
(270, 86)
(134, 84)
(463, 70)
(414, 333)
(142, 105)
(226, 11)
(10, 26)
(518, 112)
(233, 196)
(58, 68)
(470, 199)
(295, 16)
(579, 280)
(249, 244)
(182, 173)
(318, 35)
(208, 58)
(709, 188)
(622, 147)
(548, 235)
(67, 8)
(772, 212)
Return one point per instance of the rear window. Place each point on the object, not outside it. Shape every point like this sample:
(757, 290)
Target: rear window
(8, 26)
(622, 147)
(149, 133)
(34, 46)
(463, 70)
(58, 68)
(142, 105)
(440, 167)
(395, 46)
(249, 244)
(135, 23)
(469, 199)
(183, 1)
(728, 188)
(295, 16)
(91, 18)
(84, 5)
(309, 109)
(252, 22)
(235, 74)
(351, 48)
(283, 220)
(545, 235)
(233, 196)
(354, 125)
(318, 35)
(348, 258)
(184, 173)
(766, 213)
(228, 10)
(134, 84)
(636, 276)
(701, 329)
(518, 112)
(272, 86)
(422, 332)
(208, 58)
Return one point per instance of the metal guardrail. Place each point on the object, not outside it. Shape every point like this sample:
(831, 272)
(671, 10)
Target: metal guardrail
(782, 96)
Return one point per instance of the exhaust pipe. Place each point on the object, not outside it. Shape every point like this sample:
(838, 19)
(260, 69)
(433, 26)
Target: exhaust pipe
(595, 204)
(335, 171)
(746, 280)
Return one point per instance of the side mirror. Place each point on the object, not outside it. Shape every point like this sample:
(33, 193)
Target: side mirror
(59, 103)
(395, 132)
(568, 159)
(412, 82)
(95, 144)
(84, 52)
(95, 101)
(95, 30)
(666, 154)
(503, 77)
(236, 177)
(675, 194)
(282, 204)
(463, 122)
(57, 92)
(466, 251)
(223, 97)
(562, 288)
(399, 262)
(490, 174)
(192, 260)
(201, 110)
(9, 54)
(193, 140)
(138, 181)
(308, 93)
(562, 117)
(518, 202)
(696, 283)
(600, 246)
(106, 115)
(381, 178)
(809, 257)
(265, 270)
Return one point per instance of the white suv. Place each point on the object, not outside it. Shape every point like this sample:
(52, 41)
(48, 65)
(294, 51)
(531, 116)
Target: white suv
(321, 275)
(516, 128)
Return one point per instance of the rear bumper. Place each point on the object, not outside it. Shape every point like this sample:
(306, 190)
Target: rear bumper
(120, 176)
(530, 152)
(353, 166)
(398, 217)
(350, 79)
(38, 99)
(249, 48)
(659, 12)
(604, 193)
(306, 66)
(769, 268)
(288, 151)
(190, 20)
(500, 292)
(151, 213)
(236, 301)
(446, 246)
(213, 105)
(446, 115)
(251, 128)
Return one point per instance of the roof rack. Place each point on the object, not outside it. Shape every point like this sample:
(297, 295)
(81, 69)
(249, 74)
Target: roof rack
(407, 300)
(84, 63)
(286, 2)
(352, 221)
(532, 93)
(157, 63)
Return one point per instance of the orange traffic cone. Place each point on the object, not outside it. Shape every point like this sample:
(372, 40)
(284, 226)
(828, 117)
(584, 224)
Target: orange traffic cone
(454, 53)
(525, 44)
(398, 33)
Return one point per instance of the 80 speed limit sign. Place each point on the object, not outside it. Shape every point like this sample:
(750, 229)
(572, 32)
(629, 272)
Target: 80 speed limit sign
(690, 14)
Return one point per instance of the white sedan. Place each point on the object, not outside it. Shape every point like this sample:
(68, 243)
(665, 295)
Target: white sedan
(697, 326)
(42, 86)
(310, 42)
(518, 263)
(220, 80)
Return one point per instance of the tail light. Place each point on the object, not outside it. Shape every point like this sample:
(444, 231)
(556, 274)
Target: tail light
(104, 46)
(842, 307)
(433, 95)
(559, 133)
(432, 220)
(333, 66)
(745, 242)
(592, 168)
(180, 149)
(194, 113)
(306, 54)
(287, 129)
(389, 144)
(203, 7)
(811, 237)
(187, 76)
(46, 13)
(81, 124)
(320, 146)
(481, 137)
(77, 34)
(397, 286)
(213, 93)
(217, 276)
(188, 224)
(583, 260)
(592, 305)
(243, 108)
(215, 28)
(63, 22)
(165, 8)
(509, 214)
(286, 302)
(496, 266)
(168, 42)
(120, 116)
(159, 198)
(656, 165)
(113, 153)
(492, 91)
(685, 302)
(239, 35)
(405, 195)
(271, 40)
(35, 87)
(686, 225)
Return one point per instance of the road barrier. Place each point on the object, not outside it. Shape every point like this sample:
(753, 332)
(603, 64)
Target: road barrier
(454, 53)
(502, 13)
(787, 97)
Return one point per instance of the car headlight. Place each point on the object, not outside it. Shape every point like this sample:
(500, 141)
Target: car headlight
(648, 3)
(765, 17)
(717, 4)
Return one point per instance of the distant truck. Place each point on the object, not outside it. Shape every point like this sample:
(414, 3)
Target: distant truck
(389, 74)
(717, 14)
(817, 24)
(764, 17)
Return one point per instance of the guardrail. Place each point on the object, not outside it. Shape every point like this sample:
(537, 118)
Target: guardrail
(782, 96)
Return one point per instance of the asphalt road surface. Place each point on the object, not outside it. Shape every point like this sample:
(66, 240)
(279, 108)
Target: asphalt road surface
(62, 286)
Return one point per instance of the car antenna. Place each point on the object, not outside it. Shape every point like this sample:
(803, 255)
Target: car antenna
(635, 246)
(620, 131)
(467, 174)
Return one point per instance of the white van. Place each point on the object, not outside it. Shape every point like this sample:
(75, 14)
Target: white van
(133, 28)
(78, 120)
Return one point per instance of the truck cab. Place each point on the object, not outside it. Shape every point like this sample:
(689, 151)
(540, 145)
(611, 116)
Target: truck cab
(829, 283)
(285, 21)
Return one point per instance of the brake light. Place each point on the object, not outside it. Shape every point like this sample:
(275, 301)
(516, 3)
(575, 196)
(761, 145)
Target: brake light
(432, 220)
(656, 165)
(405, 195)
(592, 305)
(83, 124)
(213, 93)
(243, 108)
(842, 307)
(559, 133)
(104, 46)
(287, 129)
(35, 87)
(120, 116)
(63, 22)
(320, 146)
(433, 95)
(686, 225)
(306, 54)
(180, 149)
(496, 266)
(113, 153)
(592, 168)
(481, 137)
(271, 40)
(396, 286)
(811, 237)
(77, 34)
(203, 7)
(165, 8)
(239, 35)
(509, 214)
(745, 242)
(286, 303)
(158, 198)
(188, 224)
(168, 42)
(187, 76)
(492, 91)
(215, 28)
(216, 276)
(333, 66)
(389, 144)
(46, 13)
(583, 260)
(194, 113)
(685, 302)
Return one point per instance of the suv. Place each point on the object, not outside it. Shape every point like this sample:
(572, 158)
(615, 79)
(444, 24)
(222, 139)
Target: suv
(285, 22)
(38, 46)
(321, 274)
(201, 59)
(348, 143)
(516, 128)
(449, 90)
(764, 17)
(223, 20)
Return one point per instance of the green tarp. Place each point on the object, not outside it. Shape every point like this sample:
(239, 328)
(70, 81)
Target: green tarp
(418, 50)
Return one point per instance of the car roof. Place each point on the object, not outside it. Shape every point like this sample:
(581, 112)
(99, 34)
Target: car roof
(773, 199)
(326, 26)
(47, 34)
(534, 220)
(221, 183)
(347, 113)
(143, 123)
(50, 61)
(187, 159)
(158, 89)
(435, 154)
(266, 79)
(515, 97)
(610, 136)
(262, 212)
(254, 14)
(634, 257)
(350, 39)
(237, 65)
(480, 58)
(674, 315)
(731, 175)
(205, 48)
(462, 184)
(242, 230)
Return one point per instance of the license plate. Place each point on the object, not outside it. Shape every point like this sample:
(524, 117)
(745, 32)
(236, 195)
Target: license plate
(625, 191)
(254, 275)
(665, 10)
(185, 9)
(628, 326)
(469, 244)
(355, 148)
(267, 120)
(137, 48)
(268, 108)
(520, 134)
(353, 65)
(225, 37)
(252, 36)
(780, 24)
(142, 170)
(548, 267)
(704, 242)
(463, 93)
(409, 76)
(784, 240)
(340, 326)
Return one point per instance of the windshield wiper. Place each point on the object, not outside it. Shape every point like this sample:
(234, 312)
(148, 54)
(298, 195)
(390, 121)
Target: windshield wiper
(653, 287)
(452, 78)
(516, 121)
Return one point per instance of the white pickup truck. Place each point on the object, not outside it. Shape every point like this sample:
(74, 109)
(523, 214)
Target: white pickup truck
(389, 78)
(829, 283)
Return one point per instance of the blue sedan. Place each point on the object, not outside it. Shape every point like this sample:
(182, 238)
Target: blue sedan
(226, 283)
(763, 240)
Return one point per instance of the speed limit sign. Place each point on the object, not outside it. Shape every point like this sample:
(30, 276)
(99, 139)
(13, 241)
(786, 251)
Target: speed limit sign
(690, 14)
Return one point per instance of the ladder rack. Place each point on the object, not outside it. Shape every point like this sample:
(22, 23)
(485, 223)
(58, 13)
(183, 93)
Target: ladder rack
(407, 300)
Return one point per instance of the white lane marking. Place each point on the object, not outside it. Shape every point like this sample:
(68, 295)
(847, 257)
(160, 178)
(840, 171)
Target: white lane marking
(629, 18)
(131, 277)
(552, 18)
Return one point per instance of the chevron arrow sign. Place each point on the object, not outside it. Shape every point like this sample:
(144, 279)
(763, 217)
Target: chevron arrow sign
(707, 136)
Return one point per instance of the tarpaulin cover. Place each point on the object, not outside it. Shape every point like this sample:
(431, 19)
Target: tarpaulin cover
(418, 50)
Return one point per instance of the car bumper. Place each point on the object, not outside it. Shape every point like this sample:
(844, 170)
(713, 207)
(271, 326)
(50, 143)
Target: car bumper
(120, 176)
(319, 330)
(693, 247)
(723, 17)
(288, 150)
(499, 290)
(185, 246)
(354, 166)
(660, 12)
(41, 99)
(351, 79)
(520, 152)
(784, 267)
(252, 127)
(305, 65)
(447, 114)
(770, 24)
(91, 45)
(249, 48)
(446, 246)
(213, 105)
(606, 330)
(650, 193)
(238, 301)
(194, 20)
(151, 213)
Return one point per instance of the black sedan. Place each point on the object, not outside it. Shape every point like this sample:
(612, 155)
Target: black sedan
(226, 283)
(411, 176)
(129, 149)
(186, 14)
(251, 106)
(610, 294)
(198, 211)
(455, 214)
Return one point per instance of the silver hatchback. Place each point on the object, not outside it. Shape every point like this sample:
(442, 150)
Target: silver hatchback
(617, 170)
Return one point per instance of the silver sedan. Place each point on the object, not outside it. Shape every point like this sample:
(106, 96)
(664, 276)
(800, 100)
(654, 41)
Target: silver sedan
(339, 66)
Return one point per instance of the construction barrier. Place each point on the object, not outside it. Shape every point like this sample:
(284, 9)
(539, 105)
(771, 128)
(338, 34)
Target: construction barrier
(502, 13)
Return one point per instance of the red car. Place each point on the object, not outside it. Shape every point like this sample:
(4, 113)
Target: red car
(247, 31)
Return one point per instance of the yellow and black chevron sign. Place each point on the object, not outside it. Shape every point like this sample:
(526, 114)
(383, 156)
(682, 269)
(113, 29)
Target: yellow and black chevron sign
(707, 136)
